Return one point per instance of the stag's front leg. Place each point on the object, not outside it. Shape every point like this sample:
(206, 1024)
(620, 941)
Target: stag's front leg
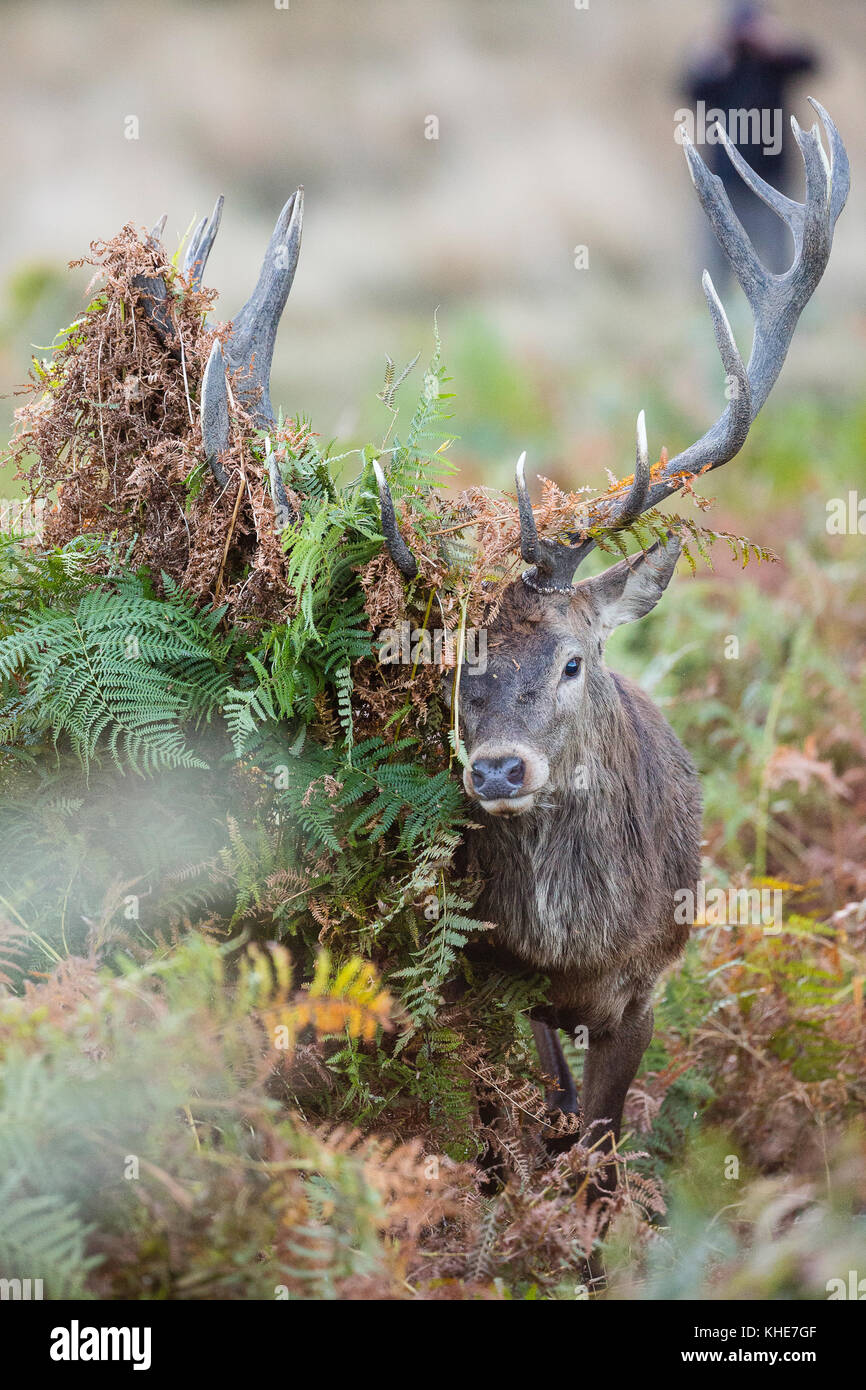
(612, 1060)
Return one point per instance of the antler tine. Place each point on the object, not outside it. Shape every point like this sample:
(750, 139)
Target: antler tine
(154, 293)
(529, 544)
(776, 301)
(397, 547)
(553, 563)
(738, 249)
(200, 244)
(215, 412)
(251, 344)
(840, 173)
(790, 211)
(637, 494)
(285, 514)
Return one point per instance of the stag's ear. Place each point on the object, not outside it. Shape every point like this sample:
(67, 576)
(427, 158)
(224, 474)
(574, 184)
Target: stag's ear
(631, 588)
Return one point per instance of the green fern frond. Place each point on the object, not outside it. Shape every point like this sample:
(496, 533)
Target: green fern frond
(122, 673)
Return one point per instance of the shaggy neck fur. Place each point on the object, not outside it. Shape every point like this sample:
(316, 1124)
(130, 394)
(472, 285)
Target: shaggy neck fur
(565, 882)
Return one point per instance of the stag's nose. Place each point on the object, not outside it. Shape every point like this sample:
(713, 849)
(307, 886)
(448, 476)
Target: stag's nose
(495, 778)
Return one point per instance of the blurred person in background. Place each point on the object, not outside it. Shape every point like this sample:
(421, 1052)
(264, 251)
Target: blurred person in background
(744, 81)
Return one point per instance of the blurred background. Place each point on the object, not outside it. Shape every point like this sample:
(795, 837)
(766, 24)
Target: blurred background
(554, 129)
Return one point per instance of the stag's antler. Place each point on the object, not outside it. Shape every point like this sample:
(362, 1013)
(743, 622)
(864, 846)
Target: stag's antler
(250, 343)
(776, 301)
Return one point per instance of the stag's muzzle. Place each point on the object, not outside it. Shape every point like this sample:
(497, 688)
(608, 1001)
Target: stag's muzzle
(505, 781)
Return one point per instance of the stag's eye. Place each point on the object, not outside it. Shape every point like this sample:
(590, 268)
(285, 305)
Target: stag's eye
(571, 668)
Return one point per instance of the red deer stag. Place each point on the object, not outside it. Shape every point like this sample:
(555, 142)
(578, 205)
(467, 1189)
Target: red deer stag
(592, 806)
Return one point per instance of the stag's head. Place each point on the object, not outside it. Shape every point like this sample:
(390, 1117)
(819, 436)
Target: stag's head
(524, 719)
